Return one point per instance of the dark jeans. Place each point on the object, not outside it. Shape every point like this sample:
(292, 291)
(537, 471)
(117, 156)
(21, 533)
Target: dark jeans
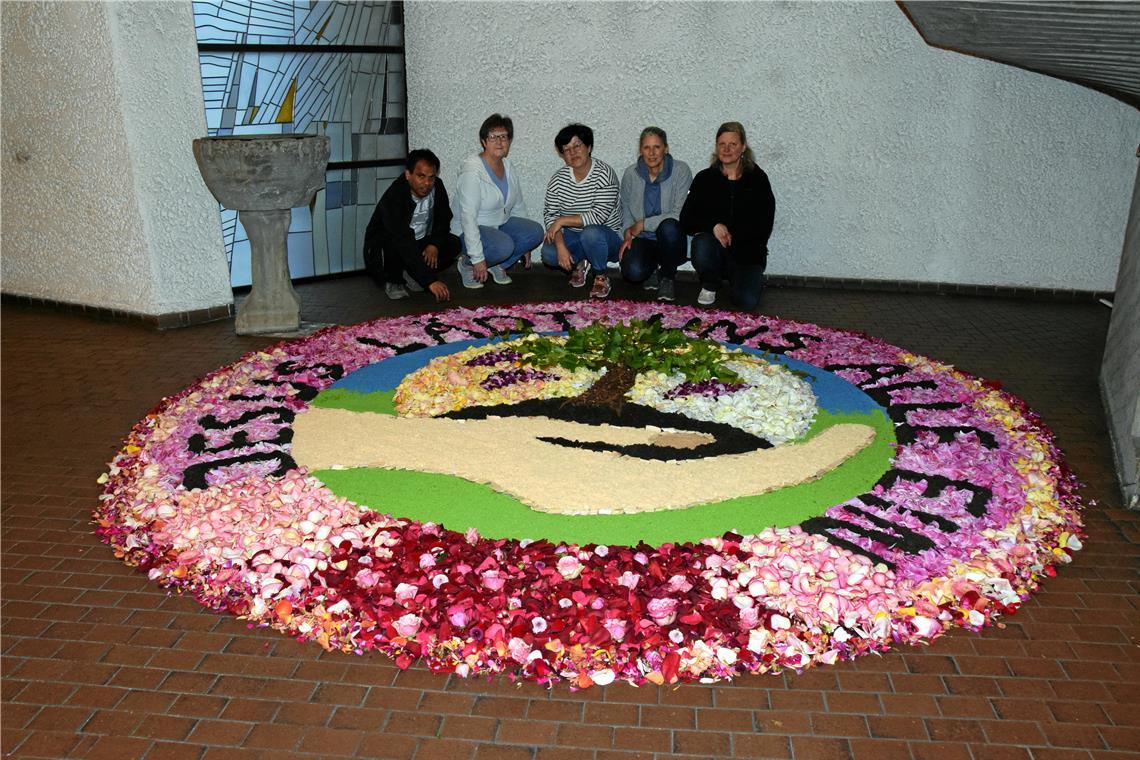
(666, 253)
(400, 258)
(715, 263)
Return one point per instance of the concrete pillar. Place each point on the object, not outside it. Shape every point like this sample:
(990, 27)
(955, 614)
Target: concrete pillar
(1120, 370)
(102, 204)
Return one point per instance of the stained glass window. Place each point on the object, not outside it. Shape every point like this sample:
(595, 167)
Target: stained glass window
(326, 67)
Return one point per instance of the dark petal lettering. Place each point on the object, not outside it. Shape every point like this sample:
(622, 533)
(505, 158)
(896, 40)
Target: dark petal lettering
(561, 317)
(944, 525)
(290, 367)
(877, 371)
(437, 328)
(280, 414)
(936, 484)
(881, 394)
(909, 541)
(823, 525)
(904, 540)
(512, 323)
(731, 332)
(946, 433)
(899, 412)
(305, 392)
(240, 440)
(194, 476)
(398, 349)
(797, 340)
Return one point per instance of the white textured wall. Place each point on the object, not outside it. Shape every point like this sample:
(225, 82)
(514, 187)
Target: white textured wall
(889, 159)
(102, 201)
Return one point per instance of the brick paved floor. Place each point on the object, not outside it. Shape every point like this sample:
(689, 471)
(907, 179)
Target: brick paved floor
(98, 662)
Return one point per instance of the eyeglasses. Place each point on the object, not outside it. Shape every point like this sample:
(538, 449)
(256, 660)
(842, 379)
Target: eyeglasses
(501, 137)
(573, 147)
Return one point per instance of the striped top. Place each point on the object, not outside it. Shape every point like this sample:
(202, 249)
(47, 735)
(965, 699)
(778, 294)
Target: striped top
(595, 198)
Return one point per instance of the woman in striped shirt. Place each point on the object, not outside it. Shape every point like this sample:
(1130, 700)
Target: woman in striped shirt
(582, 214)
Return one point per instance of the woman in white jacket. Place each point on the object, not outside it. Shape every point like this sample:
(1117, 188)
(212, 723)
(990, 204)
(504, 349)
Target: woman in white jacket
(489, 208)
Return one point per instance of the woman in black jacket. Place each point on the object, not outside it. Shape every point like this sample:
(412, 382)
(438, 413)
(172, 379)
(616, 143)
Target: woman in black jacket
(729, 213)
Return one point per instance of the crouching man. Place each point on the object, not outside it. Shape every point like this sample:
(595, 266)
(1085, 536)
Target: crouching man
(408, 239)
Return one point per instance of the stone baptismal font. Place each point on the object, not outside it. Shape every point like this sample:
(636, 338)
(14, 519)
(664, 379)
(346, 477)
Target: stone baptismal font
(263, 177)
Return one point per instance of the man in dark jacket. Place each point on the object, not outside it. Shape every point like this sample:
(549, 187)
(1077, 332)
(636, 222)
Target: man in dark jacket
(408, 237)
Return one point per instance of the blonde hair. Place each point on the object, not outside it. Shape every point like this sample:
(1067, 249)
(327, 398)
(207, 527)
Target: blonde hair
(656, 132)
(747, 160)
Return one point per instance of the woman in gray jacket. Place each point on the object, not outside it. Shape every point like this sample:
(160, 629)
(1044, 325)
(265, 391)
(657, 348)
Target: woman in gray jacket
(652, 193)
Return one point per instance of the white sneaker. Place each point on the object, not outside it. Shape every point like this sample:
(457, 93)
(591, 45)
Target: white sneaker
(467, 273)
(395, 291)
(706, 297)
(499, 275)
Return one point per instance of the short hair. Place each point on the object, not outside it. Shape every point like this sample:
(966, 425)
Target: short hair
(421, 154)
(496, 120)
(656, 132)
(569, 132)
(747, 160)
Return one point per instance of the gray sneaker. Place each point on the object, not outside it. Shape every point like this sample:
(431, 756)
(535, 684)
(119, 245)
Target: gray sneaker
(653, 282)
(706, 297)
(579, 274)
(467, 273)
(499, 275)
(413, 286)
(395, 291)
(665, 289)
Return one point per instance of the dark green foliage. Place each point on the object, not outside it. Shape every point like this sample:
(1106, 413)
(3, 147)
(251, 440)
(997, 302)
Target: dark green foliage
(639, 346)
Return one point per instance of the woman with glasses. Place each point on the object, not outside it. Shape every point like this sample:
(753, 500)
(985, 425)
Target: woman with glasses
(729, 213)
(652, 194)
(489, 209)
(581, 213)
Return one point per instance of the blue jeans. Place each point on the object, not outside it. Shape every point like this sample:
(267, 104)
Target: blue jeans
(667, 252)
(596, 243)
(715, 263)
(509, 242)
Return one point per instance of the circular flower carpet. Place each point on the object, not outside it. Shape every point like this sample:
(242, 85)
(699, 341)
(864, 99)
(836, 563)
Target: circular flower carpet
(595, 491)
